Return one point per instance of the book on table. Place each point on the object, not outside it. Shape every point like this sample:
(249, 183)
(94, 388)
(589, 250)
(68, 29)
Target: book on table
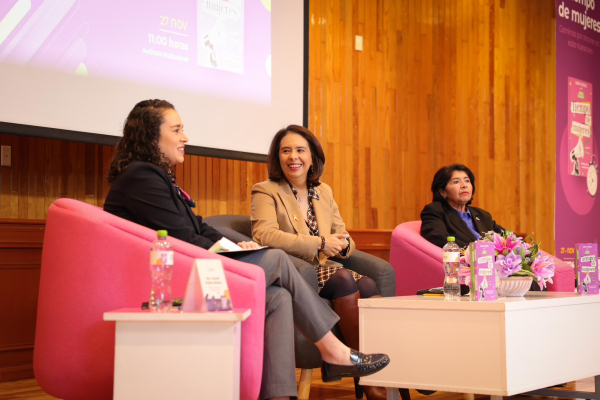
(483, 273)
(587, 268)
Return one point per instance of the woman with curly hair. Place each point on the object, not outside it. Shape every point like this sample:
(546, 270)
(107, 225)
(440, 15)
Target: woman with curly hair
(144, 190)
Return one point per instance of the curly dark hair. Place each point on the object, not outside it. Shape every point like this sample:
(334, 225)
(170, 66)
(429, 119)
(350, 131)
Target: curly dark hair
(316, 151)
(141, 133)
(443, 176)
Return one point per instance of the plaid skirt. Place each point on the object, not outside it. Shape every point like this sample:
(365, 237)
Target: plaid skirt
(324, 272)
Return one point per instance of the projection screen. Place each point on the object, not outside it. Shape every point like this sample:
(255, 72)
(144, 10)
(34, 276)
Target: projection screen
(236, 70)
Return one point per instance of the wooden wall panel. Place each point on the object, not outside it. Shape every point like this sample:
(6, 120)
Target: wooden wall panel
(20, 262)
(438, 81)
(44, 170)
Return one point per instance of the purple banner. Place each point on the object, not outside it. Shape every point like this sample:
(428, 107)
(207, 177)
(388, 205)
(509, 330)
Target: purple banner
(577, 217)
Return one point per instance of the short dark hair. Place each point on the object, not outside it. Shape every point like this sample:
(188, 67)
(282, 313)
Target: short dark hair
(141, 133)
(316, 151)
(443, 176)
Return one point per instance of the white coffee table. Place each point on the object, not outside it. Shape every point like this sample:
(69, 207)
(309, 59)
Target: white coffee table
(177, 355)
(501, 348)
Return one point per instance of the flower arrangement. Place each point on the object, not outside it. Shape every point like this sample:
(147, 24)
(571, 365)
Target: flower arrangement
(514, 257)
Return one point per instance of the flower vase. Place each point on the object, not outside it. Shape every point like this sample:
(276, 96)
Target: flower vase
(516, 286)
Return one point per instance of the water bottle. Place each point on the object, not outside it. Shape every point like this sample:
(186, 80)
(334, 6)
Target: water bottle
(451, 265)
(161, 268)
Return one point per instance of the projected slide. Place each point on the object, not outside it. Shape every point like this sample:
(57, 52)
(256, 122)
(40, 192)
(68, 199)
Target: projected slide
(219, 48)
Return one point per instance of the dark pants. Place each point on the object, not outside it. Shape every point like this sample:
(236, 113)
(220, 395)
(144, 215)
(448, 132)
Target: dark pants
(290, 301)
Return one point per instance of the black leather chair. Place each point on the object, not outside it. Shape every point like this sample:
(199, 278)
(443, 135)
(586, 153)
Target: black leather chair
(238, 228)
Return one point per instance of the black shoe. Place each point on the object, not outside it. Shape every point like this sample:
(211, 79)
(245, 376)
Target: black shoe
(364, 364)
(426, 392)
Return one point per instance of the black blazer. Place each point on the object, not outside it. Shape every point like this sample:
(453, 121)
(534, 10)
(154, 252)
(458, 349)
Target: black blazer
(144, 194)
(439, 220)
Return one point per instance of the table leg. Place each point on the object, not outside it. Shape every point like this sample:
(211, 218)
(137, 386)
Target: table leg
(572, 394)
(392, 394)
(404, 394)
(469, 396)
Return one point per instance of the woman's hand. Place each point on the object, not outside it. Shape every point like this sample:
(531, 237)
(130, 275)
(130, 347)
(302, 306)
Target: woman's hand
(248, 245)
(334, 244)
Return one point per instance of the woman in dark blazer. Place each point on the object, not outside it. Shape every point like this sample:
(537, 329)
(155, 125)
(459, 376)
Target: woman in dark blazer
(450, 213)
(144, 191)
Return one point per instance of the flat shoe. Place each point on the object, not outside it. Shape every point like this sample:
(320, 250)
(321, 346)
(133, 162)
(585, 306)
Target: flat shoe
(364, 365)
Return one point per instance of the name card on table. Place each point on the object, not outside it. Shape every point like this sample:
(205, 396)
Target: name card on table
(207, 288)
(483, 273)
(587, 268)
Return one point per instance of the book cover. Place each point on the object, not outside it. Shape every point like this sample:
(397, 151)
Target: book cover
(580, 135)
(587, 268)
(483, 273)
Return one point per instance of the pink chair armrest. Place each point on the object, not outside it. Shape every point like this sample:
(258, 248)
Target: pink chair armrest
(564, 276)
(417, 262)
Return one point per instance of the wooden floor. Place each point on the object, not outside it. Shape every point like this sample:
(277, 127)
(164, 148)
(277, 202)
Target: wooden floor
(28, 389)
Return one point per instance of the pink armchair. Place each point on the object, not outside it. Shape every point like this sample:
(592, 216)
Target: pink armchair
(94, 262)
(418, 263)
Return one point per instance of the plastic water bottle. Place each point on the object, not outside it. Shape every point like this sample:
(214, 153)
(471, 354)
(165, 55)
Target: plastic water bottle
(161, 268)
(451, 265)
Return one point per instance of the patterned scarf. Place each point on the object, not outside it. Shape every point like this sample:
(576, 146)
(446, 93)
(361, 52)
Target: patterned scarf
(311, 220)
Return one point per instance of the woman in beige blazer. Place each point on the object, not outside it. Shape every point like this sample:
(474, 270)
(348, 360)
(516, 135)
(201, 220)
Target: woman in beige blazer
(295, 212)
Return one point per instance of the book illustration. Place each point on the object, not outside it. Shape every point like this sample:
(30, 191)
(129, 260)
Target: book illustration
(586, 282)
(580, 135)
(576, 154)
(482, 287)
(592, 177)
(215, 303)
(221, 34)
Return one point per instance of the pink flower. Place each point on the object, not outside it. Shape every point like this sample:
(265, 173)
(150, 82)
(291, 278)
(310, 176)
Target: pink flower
(507, 265)
(464, 275)
(543, 268)
(466, 259)
(504, 246)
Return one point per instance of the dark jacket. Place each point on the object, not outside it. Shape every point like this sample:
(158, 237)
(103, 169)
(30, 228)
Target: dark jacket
(439, 220)
(144, 194)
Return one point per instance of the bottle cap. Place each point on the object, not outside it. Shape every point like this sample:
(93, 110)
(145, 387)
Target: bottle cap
(162, 233)
(451, 238)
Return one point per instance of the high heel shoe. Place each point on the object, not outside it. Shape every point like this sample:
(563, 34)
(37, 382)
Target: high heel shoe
(363, 365)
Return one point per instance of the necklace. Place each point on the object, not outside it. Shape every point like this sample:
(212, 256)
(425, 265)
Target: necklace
(299, 198)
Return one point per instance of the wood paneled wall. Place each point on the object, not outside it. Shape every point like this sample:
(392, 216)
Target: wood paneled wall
(44, 170)
(20, 263)
(438, 81)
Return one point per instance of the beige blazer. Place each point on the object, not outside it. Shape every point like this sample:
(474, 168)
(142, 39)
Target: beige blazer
(277, 221)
